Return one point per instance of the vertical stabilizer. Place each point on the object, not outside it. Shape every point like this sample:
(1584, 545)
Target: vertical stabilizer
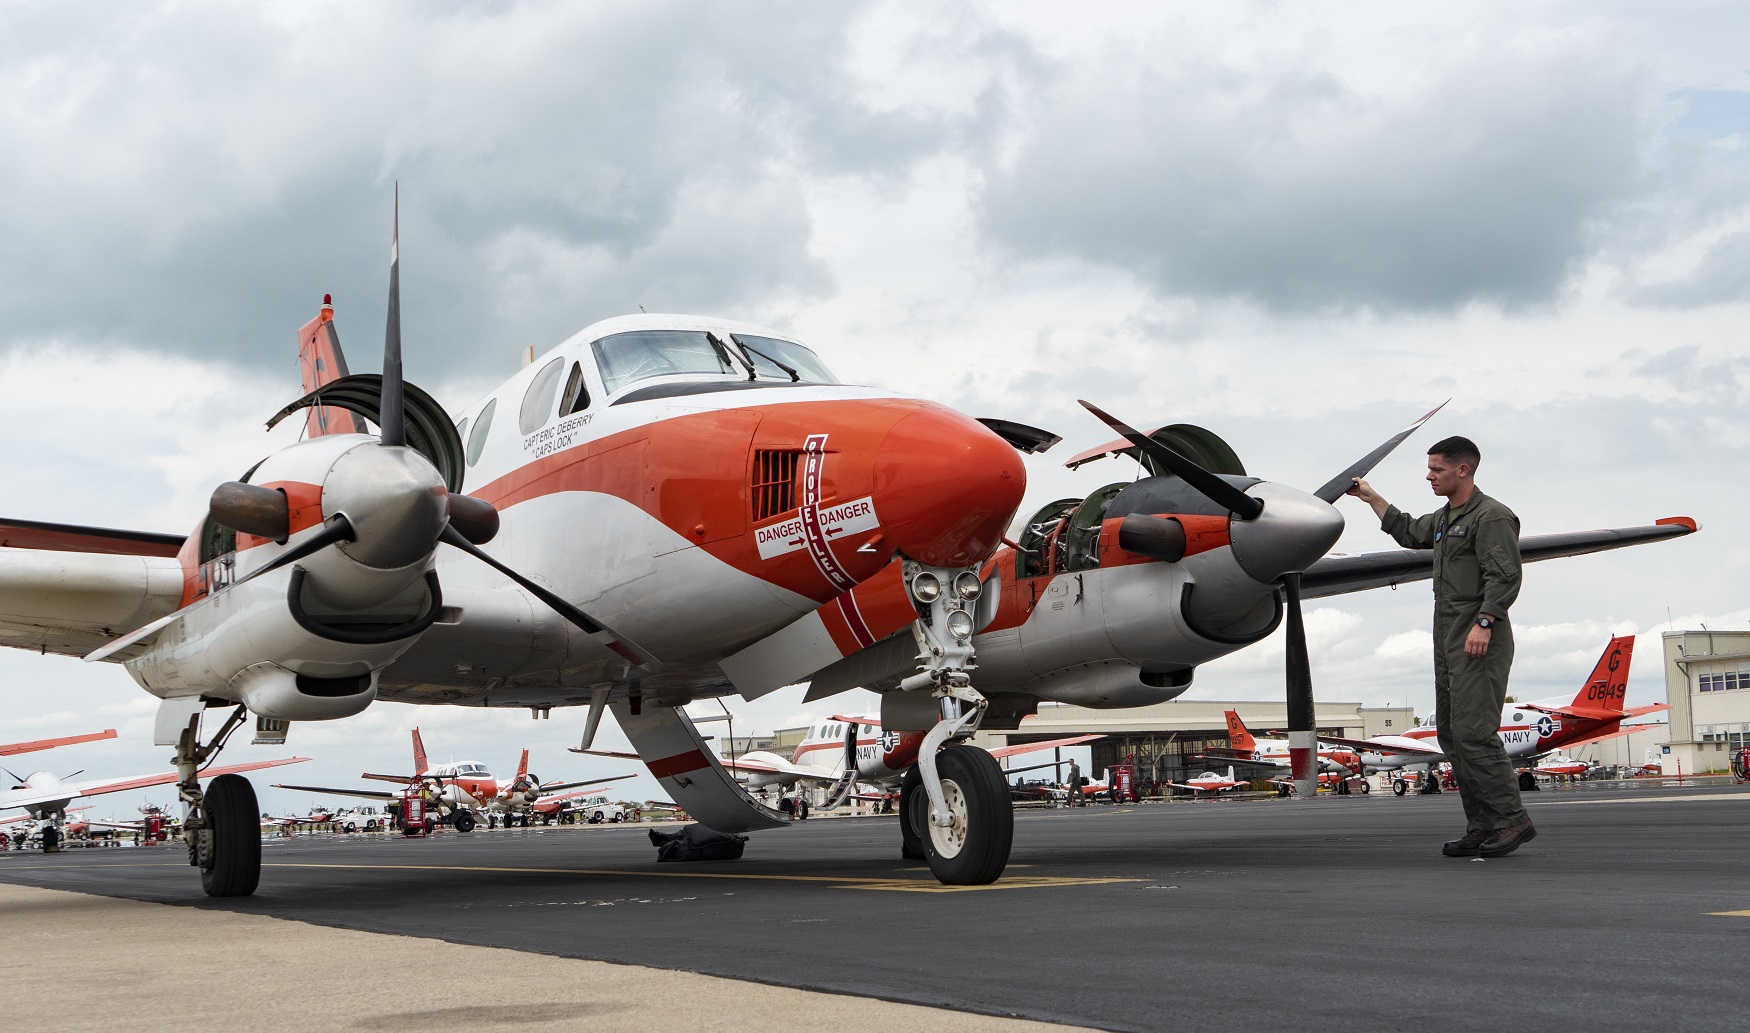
(1237, 736)
(321, 362)
(1607, 687)
(420, 766)
(522, 768)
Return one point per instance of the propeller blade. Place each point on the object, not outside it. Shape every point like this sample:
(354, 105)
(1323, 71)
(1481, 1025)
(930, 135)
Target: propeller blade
(1213, 488)
(588, 624)
(392, 426)
(1335, 488)
(1298, 676)
(337, 529)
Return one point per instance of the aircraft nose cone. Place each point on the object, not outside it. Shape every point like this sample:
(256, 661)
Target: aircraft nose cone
(1294, 530)
(395, 499)
(946, 487)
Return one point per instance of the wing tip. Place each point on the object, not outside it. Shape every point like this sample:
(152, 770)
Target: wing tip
(1681, 521)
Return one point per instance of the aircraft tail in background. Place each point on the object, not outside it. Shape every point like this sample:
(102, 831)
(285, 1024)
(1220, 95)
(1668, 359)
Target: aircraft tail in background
(1606, 688)
(420, 766)
(1237, 735)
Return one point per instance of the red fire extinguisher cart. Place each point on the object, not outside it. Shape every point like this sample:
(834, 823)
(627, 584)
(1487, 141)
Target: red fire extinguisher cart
(413, 816)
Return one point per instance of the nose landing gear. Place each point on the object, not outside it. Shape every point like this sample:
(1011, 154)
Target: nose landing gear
(963, 820)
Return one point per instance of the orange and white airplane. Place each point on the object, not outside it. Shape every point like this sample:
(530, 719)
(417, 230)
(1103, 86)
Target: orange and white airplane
(662, 509)
(466, 792)
(12, 749)
(1561, 765)
(1210, 782)
(1529, 730)
(1246, 749)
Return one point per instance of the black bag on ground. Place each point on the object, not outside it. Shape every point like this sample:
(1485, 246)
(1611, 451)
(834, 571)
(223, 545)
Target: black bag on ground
(697, 843)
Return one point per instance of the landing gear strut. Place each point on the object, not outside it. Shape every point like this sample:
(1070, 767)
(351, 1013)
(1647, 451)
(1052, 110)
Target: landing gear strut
(964, 819)
(222, 825)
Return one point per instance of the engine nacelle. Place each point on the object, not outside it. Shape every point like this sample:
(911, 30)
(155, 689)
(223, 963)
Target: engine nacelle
(269, 690)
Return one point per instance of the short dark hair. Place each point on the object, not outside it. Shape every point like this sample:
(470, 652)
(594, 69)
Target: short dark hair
(1457, 450)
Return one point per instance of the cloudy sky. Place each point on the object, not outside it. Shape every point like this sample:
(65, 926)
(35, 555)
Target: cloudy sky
(1298, 225)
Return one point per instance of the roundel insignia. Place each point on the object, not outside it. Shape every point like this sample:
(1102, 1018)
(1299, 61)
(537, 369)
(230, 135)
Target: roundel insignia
(1546, 726)
(889, 742)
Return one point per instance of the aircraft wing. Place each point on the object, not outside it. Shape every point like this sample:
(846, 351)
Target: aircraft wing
(616, 754)
(1597, 715)
(785, 768)
(363, 794)
(1050, 744)
(1224, 759)
(28, 797)
(13, 748)
(555, 787)
(400, 779)
(1621, 731)
(1338, 575)
(1375, 747)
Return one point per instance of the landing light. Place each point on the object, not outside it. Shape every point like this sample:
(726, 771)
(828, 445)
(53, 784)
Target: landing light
(967, 586)
(926, 587)
(960, 624)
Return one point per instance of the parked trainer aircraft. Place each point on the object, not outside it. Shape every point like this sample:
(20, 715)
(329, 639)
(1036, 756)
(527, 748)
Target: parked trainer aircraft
(677, 508)
(465, 791)
(44, 796)
(1246, 749)
(1210, 782)
(1528, 730)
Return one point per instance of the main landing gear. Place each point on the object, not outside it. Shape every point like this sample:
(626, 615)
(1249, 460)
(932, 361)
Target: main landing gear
(221, 826)
(955, 808)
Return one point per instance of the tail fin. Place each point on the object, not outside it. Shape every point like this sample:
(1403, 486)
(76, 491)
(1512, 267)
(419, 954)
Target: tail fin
(522, 768)
(420, 766)
(1237, 736)
(1607, 688)
(321, 361)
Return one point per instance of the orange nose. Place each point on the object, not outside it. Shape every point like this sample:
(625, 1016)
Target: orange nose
(946, 487)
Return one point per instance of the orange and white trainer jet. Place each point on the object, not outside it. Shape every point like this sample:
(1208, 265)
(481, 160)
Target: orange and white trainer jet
(662, 509)
(1246, 749)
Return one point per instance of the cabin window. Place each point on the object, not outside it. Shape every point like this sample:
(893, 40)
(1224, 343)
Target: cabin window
(462, 429)
(576, 396)
(538, 399)
(769, 356)
(482, 425)
(641, 354)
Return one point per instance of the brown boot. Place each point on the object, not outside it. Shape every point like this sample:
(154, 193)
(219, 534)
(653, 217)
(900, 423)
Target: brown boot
(1468, 845)
(1504, 841)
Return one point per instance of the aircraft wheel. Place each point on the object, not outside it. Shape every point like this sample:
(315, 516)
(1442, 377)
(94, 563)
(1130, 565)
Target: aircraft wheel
(911, 845)
(974, 849)
(1399, 787)
(1527, 782)
(234, 824)
(1366, 787)
(464, 821)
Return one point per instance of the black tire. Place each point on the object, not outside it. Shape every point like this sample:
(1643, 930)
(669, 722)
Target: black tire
(1366, 787)
(234, 824)
(1527, 782)
(986, 829)
(464, 821)
(1399, 787)
(595, 817)
(911, 845)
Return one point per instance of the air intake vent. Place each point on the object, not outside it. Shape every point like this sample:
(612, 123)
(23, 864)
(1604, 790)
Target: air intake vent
(774, 482)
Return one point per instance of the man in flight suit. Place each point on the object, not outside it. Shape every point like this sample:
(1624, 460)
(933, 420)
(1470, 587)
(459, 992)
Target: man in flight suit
(1476, 578)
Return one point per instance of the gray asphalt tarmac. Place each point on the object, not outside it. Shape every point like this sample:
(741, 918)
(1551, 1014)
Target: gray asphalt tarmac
(1217, 915)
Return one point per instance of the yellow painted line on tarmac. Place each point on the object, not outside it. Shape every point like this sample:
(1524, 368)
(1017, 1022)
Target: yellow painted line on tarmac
(1650, 798)
(1730, 914)
(835, 881)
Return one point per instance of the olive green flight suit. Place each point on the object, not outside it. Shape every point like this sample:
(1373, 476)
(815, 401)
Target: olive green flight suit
(1476, 570)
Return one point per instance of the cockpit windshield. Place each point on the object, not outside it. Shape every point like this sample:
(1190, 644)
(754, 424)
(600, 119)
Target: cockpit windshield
(784, 360)
(641, 354)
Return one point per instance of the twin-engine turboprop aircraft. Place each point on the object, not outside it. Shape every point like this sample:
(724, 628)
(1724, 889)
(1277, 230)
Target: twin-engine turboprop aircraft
(465, 792)
(676, 508)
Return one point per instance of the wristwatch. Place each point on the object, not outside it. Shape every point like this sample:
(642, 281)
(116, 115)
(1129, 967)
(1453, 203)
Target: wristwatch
(1485, 622)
